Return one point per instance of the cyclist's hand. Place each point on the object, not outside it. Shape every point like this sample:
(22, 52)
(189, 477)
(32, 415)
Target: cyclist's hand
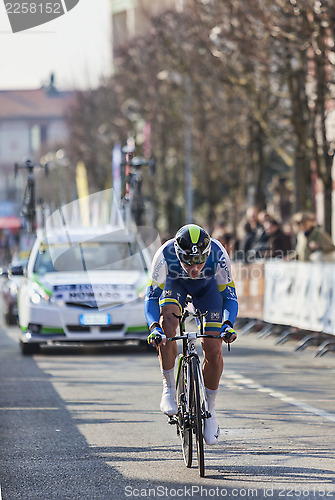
(228, 334)
(156, 337)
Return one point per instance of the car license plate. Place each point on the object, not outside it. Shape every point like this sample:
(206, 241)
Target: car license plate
(95, 319)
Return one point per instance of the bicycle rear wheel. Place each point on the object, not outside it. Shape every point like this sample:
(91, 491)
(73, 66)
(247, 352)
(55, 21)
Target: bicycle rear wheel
(197, 414)
(184, 424)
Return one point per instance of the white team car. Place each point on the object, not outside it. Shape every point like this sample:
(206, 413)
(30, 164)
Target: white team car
(83, 285)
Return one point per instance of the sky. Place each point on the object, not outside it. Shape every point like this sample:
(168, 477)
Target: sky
(75, 47)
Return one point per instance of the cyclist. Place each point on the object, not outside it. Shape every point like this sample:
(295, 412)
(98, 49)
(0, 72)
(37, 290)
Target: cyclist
(192, 263)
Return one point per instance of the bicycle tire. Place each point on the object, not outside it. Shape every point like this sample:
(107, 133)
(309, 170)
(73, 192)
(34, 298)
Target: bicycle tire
(197, 414)
(184, 424)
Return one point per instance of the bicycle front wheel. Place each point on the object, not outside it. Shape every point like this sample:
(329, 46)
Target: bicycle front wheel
(197, 415)
(184, 424)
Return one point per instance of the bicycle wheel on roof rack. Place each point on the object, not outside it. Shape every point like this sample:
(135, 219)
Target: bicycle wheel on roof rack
(197, 415)
(184, 423)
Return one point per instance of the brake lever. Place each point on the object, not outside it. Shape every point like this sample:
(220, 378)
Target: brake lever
(228, 343)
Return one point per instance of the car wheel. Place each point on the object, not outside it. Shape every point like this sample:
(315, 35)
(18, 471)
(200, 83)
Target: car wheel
(28, 349)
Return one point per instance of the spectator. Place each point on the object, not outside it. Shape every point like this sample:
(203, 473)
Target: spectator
(288, 230)
(313, 243)
(260, 244)
(225, 237)
(219, 232)
(247, 241)
(279, 243)
(255, 241)
(252, 217)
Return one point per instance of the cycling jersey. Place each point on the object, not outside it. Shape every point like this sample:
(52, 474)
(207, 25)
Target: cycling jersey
(213, 291)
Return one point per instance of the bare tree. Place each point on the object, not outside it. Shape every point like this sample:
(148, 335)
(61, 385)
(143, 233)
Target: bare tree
(261, 81)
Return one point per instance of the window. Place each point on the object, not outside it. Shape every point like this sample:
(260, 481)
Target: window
(88, 256)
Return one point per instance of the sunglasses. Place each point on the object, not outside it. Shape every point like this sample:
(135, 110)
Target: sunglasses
(191, 260)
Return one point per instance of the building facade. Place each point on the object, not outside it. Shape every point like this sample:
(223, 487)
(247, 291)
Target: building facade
(131, 17)
(32, 123)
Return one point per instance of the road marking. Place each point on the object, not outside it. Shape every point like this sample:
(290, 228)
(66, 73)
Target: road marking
(239, 379)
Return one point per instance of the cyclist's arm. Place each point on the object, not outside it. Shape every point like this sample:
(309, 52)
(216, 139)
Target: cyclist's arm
(230, 304)
(151, 303)
(155, 288)
(226, 286)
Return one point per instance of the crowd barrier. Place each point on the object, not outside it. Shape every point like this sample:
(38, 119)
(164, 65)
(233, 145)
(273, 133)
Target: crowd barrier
(249, 282)
(296, 294)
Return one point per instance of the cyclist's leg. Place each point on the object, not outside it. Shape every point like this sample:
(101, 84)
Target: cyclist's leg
(211, 301)
(167, 353)
(171, 304)
(213, 361)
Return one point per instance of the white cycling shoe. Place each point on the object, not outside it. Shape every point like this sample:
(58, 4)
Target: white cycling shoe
(168, 401)
(211, 430)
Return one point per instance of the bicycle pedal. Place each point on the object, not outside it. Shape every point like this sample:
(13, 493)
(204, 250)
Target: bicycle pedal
(173, 420)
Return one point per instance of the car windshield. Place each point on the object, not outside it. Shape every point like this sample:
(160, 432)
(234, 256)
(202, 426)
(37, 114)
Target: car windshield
(88, 256)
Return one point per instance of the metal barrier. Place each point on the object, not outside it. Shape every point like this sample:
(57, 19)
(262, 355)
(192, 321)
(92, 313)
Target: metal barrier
(292, 295)
(249, 281)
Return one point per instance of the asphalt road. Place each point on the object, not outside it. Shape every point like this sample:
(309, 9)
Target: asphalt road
(85, 424)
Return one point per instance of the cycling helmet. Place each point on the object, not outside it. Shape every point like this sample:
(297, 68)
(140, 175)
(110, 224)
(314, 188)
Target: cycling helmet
(192, 244)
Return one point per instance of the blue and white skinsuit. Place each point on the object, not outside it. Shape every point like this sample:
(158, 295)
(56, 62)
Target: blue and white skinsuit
(213, 290)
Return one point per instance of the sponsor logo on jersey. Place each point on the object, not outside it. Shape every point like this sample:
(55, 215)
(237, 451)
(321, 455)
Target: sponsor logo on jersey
(223, 264)
(155, 274)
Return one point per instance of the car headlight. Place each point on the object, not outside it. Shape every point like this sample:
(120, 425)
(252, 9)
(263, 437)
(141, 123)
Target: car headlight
(38, 294)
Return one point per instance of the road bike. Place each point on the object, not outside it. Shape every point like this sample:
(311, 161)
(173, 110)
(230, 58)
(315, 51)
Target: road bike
(190, 391)
(28, 210)
(133, 195)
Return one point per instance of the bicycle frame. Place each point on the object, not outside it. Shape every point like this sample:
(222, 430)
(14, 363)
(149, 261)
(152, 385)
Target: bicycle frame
(189, 351)
(192, 402)
(190, 388)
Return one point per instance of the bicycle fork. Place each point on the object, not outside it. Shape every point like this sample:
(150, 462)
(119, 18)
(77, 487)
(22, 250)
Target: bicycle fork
(182, 402)
(203, 399)
(185, 402)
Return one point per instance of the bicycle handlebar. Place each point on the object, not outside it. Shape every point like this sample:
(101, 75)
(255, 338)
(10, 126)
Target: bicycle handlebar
(158, 338)
(197, 336)
(199, 315)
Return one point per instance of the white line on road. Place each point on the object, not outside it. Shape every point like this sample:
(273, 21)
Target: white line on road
(239, 379)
